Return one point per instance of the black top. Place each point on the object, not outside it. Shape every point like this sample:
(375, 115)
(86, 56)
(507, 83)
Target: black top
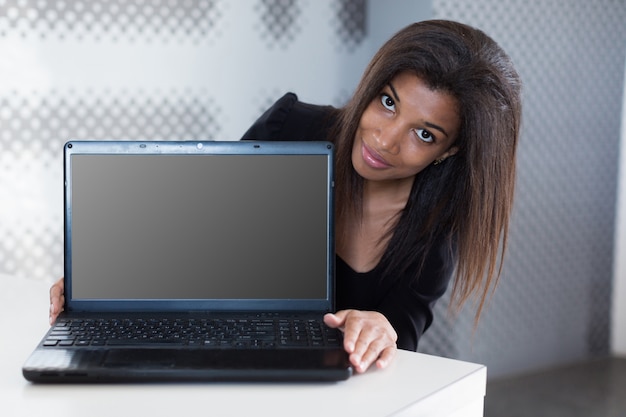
(407, 302)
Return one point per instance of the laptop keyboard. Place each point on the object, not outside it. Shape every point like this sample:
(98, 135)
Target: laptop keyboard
(202, 333)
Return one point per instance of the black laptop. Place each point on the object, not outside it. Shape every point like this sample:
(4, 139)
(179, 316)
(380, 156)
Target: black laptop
(195, 261)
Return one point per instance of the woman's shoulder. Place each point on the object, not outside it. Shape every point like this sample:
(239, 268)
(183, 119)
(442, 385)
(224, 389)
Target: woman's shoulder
(290, 119)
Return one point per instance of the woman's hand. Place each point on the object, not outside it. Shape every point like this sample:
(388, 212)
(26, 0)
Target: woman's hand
(57, 299)
(367, 336)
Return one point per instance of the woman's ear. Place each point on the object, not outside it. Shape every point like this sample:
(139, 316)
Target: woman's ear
(450, 152)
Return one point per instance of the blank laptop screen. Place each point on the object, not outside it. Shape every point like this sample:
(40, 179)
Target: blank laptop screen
(199, 226)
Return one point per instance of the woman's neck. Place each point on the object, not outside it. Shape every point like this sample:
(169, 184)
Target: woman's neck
(380, 197)
(361, 242)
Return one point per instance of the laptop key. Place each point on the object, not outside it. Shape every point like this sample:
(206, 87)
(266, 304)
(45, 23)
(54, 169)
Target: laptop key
(145, 342)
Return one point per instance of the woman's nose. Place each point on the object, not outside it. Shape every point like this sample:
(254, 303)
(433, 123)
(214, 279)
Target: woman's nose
(389, 139)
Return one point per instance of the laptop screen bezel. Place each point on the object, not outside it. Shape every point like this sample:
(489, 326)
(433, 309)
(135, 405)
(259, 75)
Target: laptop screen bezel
(73, 148)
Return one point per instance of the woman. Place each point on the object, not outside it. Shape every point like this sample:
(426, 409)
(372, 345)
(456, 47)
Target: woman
(425, 172)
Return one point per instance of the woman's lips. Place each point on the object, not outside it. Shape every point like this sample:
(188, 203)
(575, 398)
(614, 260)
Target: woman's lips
(373, 159)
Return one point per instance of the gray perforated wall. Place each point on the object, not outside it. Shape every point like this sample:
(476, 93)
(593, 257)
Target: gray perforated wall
(205, 69)
(553, 304)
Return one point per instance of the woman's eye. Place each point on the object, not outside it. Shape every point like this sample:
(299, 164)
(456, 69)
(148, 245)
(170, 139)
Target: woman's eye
(388, 102)
(425, 135)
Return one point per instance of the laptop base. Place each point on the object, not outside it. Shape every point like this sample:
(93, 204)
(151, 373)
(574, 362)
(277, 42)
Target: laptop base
(162, 365)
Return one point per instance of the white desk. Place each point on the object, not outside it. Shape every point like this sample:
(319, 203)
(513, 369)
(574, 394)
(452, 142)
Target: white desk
(414, 385)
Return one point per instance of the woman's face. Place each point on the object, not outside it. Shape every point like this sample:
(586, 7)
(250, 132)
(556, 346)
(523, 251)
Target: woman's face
(404, 129)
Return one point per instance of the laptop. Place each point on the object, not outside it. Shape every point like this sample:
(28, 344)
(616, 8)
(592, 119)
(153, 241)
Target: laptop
(195, 261)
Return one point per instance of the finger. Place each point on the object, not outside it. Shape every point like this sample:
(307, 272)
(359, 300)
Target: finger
(53, 314)
(373, 341)
(55, 309)
(338, 318)
(386, 357)
(57, 299)
(352, 334)
(368, 349)
(57, 289)
(333, 320)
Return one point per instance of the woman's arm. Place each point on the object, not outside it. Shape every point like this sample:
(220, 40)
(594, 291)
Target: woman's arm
(409, 303)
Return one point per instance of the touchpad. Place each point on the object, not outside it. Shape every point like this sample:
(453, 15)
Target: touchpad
(141, 358)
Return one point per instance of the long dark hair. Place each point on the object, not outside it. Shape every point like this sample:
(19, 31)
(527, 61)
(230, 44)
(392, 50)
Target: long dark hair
(466, 200)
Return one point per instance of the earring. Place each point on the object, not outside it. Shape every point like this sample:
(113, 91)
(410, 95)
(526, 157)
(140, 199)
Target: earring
(438, 161)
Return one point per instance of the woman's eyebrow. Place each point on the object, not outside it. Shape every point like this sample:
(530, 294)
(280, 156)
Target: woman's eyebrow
(437, 127)
(394, 92)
